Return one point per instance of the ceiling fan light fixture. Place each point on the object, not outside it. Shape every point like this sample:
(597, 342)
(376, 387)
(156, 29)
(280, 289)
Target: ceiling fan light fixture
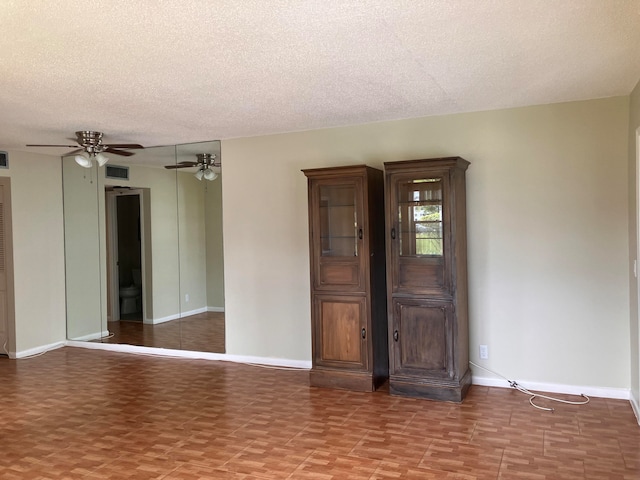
(199, 174)
(83, 159)
(91, 147)
(101, 158)
(210, 174)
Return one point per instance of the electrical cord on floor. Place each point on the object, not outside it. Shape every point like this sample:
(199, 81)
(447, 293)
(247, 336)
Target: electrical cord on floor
(26, 357)
(4, 347)
(33, 356)
(532, 395)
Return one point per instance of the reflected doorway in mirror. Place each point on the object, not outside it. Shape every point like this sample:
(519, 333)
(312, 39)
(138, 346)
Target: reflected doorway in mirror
(126, 253)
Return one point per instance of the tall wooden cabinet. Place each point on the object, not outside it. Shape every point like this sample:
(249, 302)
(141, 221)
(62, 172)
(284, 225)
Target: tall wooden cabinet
(348, 295)
(426, 254)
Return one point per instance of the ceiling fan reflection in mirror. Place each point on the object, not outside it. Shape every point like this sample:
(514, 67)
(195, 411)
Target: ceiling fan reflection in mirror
(205, 163)
(92, 148)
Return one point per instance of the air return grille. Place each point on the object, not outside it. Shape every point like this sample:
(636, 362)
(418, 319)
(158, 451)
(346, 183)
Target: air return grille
(115, 171)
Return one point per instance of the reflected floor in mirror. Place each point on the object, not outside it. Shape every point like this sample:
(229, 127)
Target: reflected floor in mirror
(203, 332)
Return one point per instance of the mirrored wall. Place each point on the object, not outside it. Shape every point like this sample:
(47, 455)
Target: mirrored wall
(143, 249)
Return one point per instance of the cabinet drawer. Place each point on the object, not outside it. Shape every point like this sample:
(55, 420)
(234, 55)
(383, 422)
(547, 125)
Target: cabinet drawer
(339, 275)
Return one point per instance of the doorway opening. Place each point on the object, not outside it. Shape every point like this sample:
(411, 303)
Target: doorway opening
(125, 254)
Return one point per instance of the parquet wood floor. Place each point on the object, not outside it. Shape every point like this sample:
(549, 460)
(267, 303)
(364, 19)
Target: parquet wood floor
(87, 414)
(203, 332)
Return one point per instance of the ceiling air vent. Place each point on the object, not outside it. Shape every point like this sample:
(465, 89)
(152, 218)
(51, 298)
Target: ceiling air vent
(4, 160)
(115, 171)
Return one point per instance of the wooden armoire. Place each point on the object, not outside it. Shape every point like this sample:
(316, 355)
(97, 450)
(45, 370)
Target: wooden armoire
(426, 254)
(348, 294)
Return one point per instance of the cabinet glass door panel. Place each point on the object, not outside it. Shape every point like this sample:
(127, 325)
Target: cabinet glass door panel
(420, 217)
(338, 221)
(419, 239)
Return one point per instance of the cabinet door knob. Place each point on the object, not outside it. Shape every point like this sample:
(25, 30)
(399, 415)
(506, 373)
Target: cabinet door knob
(360, 234)
(395, 335)
(364, 333)
(393, 233)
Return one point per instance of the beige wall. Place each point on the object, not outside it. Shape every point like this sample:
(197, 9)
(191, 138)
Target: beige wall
(548, 234)
(81, 241)
(201, 254)
(38, 249)
(634, 131)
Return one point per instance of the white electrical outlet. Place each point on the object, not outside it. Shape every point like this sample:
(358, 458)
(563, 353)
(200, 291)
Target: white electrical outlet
(484, 352)
(186, 297)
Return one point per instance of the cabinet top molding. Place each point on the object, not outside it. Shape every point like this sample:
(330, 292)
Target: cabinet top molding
(337, 171)
(445, 162)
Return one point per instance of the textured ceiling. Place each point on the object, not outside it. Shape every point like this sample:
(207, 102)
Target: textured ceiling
(160, 72)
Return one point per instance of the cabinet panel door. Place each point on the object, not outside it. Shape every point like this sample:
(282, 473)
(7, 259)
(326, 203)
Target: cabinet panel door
(340, 331)
(337, 213)
(420, 233)
(421, 338)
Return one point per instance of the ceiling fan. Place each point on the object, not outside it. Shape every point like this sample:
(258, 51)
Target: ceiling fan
(92, 148)
(205, 162)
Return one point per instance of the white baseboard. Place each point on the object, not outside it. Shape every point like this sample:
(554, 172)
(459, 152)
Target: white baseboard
(116, 347)
(193, 312)
(276, 362)
(602, 392)
(36, 350)
(155, 321)
(92, 336)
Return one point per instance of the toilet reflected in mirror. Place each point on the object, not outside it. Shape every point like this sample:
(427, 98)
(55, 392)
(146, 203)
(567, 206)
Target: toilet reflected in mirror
(131, 297)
